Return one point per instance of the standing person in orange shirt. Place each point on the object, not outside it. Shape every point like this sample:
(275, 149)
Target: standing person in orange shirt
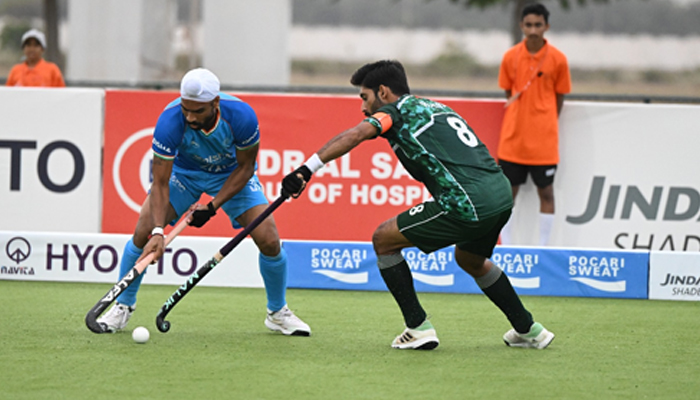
(35, 71)
(535, 76)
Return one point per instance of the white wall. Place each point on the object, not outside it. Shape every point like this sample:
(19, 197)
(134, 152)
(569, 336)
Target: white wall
(252, 43)
(246, 42)
(120, 40)
(243, 42)
(593, 51)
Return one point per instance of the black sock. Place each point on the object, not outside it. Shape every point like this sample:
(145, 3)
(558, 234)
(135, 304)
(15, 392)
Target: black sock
(502, 294)
(399, 281)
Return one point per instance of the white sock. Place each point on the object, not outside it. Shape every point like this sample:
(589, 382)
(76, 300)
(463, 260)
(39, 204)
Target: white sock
(546, 221)
(506, 232)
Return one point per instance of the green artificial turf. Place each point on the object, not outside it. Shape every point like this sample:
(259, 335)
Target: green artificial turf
(218, 347)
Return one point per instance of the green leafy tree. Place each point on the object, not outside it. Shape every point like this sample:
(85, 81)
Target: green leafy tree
(516, 7)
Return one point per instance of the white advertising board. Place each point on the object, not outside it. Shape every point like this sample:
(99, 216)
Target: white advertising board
(82, 257)
(674, 276)
(50, 159)
(627, 179)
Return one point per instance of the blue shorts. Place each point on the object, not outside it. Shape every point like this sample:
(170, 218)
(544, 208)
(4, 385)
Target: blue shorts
(186, 187)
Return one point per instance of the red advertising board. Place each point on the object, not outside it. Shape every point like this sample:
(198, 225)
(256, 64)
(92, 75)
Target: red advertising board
(346, 200)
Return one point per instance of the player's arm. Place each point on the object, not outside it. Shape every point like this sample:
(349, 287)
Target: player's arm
(235, 182)
(160, 190)
(239, 177)
(159, 201)
(346, 141)
(295, 182)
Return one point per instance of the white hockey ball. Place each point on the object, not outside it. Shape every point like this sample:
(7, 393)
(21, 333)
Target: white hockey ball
(140, 335)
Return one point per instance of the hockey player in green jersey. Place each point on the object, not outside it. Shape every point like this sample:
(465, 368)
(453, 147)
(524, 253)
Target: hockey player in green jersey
(472, 200)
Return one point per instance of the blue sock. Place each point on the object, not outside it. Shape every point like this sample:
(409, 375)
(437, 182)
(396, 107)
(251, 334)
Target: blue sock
(274, 274)
(129, 256)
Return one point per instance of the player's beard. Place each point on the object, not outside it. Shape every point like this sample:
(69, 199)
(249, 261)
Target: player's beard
(376, 104)
(206, 125)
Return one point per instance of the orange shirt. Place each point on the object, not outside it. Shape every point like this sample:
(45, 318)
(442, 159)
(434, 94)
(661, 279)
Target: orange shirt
(44, 73)
(530, 129)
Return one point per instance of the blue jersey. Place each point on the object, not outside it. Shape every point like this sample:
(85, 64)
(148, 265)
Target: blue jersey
(213, 151)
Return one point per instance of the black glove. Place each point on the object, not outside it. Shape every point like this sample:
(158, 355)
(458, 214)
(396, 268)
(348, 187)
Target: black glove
(200, 217)
(293, 184)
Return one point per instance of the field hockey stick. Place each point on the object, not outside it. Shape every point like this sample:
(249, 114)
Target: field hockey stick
(168, 306)
(116, 290)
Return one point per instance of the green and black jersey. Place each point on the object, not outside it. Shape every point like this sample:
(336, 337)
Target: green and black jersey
(439, 149)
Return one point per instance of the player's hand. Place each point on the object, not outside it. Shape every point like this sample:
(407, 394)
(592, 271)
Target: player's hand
(200, 216)
(156, 245)
(295, 182)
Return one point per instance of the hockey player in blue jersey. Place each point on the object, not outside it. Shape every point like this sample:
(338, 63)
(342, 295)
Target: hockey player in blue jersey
(206, 141)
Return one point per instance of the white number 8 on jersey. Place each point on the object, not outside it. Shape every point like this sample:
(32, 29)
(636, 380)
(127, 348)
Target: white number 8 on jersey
(463, 132)
(415, 210)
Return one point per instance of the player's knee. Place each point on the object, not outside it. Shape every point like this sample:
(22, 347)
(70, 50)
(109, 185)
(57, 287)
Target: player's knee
(473, 264)
(471, 268)
(380, 241)
(269, 246)
(377, 241)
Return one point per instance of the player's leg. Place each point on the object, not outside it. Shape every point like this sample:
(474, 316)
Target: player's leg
(246, 206)
(496, 286)
(472, 256)
(180, 200)
(517, 175)
(388, 242)
(543, 176)
(118, 316)
(424, 226)
(184, 190)
(273, 268)
(272, 257)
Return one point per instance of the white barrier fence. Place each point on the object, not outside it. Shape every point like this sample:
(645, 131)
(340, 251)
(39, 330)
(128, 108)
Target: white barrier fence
(627, 179)
(50, 159)
(36, 256)
(91, 257)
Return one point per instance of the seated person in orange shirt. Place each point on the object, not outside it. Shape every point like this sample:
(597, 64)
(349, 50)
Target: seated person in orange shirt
(35, 71)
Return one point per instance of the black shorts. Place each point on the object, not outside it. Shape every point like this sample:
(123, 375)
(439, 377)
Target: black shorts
(430, 228)
(542, 175)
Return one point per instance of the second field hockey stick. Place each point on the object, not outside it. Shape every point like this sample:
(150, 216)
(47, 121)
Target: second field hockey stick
(116, 290)
(164, 325)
